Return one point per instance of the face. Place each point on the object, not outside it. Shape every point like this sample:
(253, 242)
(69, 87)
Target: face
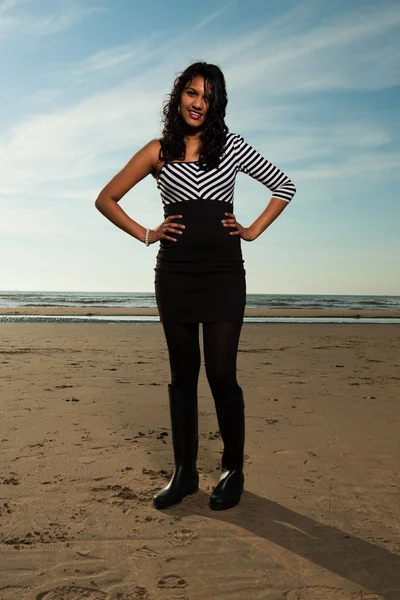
(194, 102)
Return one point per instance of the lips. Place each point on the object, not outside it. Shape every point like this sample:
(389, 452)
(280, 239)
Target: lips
(195, 115)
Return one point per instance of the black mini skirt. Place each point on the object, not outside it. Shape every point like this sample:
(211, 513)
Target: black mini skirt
(200, 277)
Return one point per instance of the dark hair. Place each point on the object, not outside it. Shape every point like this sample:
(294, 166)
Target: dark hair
(213, 136)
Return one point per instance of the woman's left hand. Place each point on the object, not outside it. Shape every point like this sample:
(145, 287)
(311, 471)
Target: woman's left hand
(245, 232)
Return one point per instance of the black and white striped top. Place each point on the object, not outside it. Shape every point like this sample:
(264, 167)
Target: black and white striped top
(181, 181)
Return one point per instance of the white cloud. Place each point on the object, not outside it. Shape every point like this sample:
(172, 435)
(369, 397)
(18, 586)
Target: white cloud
(69, 144)
(73, 142)
(372, 166)
(344, 55)
(8, 5)
(153, 52)
(14, 22)
(115, 57)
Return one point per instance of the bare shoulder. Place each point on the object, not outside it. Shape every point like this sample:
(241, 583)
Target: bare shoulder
(144, 162)
(154, 147)
(150, 153)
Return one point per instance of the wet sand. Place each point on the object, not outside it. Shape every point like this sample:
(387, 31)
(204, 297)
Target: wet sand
(249, 312)
(86, 442)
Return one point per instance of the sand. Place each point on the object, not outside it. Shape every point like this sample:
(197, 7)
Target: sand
(249, 312)
(86, 442)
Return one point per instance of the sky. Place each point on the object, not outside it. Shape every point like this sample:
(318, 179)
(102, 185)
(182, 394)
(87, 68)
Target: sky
(313, 86)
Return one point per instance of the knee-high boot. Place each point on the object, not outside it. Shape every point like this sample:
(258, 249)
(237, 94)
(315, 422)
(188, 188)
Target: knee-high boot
(183, 407)
(231, 421)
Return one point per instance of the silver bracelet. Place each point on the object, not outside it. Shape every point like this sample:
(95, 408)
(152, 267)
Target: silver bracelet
(146, 237)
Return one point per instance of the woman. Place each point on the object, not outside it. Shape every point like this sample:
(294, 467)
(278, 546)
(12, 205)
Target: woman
(199, 273)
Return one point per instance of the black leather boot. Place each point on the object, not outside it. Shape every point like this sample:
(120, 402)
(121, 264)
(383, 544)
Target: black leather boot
(230, 415)
(184, 424)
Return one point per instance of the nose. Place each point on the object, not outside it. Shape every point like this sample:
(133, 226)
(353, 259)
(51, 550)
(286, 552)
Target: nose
(198, 104)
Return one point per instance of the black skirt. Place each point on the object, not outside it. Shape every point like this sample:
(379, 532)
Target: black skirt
(201, 277)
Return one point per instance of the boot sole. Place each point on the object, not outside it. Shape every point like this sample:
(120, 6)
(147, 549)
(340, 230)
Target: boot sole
(223, 506)
(168, 504)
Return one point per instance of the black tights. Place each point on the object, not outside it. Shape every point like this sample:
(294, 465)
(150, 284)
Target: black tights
(220, 342)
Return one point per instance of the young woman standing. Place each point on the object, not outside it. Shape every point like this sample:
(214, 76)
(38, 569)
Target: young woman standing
(199, 272)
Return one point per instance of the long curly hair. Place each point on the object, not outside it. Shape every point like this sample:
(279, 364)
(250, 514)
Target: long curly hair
(213, 136)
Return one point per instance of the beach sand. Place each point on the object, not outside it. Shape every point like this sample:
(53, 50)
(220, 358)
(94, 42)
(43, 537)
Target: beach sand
(86, 442)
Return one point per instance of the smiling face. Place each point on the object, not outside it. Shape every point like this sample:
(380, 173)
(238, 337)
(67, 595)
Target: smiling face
(194, 102)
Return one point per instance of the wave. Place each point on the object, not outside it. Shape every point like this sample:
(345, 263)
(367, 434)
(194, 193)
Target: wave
(147, 300)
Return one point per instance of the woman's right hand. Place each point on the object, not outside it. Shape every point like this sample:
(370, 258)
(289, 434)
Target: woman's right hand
(167, 226)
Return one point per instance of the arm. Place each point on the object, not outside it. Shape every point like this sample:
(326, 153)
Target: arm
(140, 165)
(271, 212)
(252, 163)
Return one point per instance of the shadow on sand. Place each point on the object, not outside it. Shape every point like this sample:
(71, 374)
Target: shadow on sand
(372, 567)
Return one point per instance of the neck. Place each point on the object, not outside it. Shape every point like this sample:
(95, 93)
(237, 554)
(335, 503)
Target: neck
(191, 133)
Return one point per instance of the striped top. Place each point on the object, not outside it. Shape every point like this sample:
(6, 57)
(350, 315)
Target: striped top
(181, 181)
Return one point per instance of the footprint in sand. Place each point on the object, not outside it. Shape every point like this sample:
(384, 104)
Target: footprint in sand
(184, 537)
(172, 582)
(72, 593)
(146, 550)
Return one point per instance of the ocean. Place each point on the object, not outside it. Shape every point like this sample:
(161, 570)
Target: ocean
(147, 300)
(30, 299)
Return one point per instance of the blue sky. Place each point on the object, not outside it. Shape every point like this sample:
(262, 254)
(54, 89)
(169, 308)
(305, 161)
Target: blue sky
(314, 86)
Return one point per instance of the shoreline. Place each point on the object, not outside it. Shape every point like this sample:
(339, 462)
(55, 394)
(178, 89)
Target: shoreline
(249, 312)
